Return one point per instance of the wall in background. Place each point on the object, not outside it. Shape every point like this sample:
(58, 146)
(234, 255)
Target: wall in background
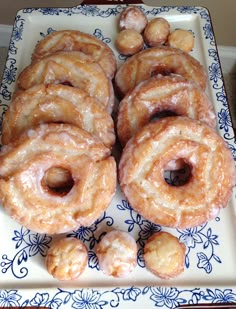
(222, 13)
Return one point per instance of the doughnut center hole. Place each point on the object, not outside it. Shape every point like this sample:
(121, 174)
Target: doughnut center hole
(162, 70)
(177, 172)
(66, 83)
(162, 114)
(58, 181)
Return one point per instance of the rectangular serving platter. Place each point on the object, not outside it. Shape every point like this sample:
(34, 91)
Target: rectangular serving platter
(210, 265)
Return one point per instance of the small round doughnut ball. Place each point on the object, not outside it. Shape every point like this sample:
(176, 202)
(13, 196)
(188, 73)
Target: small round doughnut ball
(157, 31)
(133, 17)
(67, 259)
(129, 42)
(164, 255)
(117, 254)
(182, 39)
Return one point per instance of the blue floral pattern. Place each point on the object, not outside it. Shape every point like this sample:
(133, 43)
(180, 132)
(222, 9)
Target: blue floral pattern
(28, 244)
(201, 235)
(162, 297)
(202, 243)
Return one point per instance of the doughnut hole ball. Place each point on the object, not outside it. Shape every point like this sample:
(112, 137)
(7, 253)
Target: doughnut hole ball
(129, 42)
(117, 254)
(134, 18)
(164, 255)
(182, 39)
(67, 259)
(156, 32)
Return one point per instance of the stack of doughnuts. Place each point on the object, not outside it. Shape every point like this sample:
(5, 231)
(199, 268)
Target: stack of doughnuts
(166, 122)
(56, 170)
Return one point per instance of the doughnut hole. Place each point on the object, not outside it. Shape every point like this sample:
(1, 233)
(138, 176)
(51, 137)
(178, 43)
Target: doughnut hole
(67, 259)
(164, 255)
(133, 17)
(177, 172)
(129, 42)
(156, 32)
(162, 114)
(66, 83)
(162, 70)
(182, 39)
(58, 180)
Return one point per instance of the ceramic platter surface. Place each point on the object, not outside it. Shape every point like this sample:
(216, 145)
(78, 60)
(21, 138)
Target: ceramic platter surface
(210, 264)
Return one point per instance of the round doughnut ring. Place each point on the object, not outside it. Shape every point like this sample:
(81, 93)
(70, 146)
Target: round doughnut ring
(56, 103)
(24, 192)
(161, 94)
(144, 160)
(74, 40)
(158, 60)
(73, 68)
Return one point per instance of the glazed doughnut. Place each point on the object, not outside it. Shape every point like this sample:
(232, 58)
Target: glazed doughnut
(117, 254)
(73, 68)
(25, 194)
(129, 42)
(156, 32)
(56, 103)
(74, 40)
(164, 255)
(132, 17)
(182, 39)
(144, 160)
(67, 259)
(162, 94)
(158, 60)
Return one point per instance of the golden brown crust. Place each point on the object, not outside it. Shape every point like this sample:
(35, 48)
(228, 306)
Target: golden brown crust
(67, 259)
(74, 40)
(144, 160)
(56, 103)
(162, 94)
(30, 202)
(164, 255)
(158, 60)
(73, 68)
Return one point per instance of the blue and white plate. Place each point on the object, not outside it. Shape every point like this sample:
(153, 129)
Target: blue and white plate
(210, 265)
